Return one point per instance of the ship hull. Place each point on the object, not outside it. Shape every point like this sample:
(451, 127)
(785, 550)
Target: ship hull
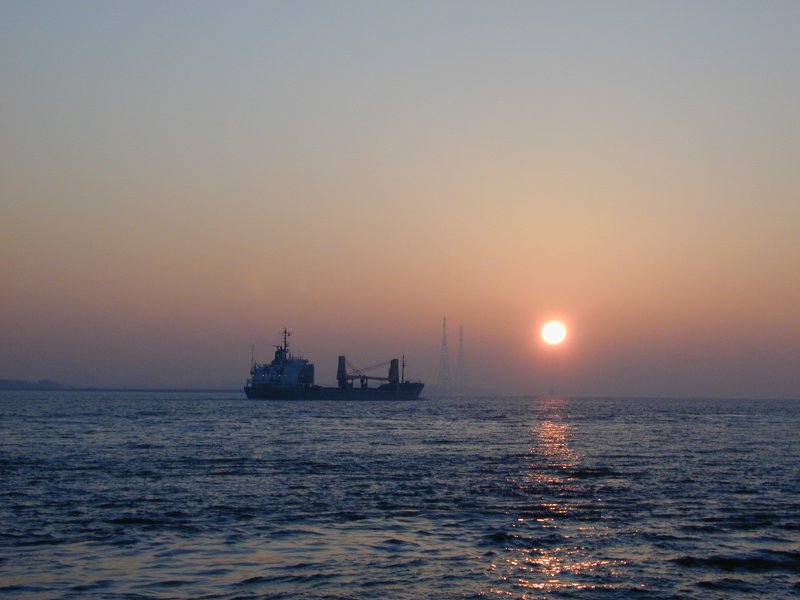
(402, 391)
(268, 392)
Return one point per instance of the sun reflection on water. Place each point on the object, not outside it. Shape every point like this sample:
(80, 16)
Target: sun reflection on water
(550, 548)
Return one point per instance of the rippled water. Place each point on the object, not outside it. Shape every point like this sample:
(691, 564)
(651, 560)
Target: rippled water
(145, 495)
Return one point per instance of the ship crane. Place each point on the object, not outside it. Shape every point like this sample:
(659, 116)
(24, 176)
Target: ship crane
(347, 373)
(356, 373)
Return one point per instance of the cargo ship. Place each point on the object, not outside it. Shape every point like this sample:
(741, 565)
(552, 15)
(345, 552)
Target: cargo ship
(289, 377)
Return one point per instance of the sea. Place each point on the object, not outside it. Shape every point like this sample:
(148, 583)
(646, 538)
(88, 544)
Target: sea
(210, 495)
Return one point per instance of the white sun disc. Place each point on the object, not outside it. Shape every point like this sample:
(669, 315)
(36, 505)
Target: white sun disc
(554, 332)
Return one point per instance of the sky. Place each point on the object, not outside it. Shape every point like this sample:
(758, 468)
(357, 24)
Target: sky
(180, 181)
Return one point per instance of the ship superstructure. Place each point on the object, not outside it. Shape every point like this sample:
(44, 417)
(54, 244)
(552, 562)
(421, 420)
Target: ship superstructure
(286, 376)
(292, 378)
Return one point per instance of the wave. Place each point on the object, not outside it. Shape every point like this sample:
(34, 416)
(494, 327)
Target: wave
(764, 560)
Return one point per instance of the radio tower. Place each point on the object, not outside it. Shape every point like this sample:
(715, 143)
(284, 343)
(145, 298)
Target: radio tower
(444, 361)
(461, 379)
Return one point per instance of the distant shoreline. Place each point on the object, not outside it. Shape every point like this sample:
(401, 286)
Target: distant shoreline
(46, 385)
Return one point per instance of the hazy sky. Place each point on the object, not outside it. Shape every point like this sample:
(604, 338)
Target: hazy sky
(179, 180)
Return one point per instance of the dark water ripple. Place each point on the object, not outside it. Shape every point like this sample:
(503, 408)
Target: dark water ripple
(138, 495)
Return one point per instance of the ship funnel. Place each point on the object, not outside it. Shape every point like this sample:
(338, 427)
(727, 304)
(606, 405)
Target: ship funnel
(341, 372)
(394, 372)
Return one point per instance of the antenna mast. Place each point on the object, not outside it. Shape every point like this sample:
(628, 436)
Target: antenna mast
(444, 361)
(461, 379)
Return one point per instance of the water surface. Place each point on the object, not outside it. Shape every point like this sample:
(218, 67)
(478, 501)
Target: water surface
(187, 495)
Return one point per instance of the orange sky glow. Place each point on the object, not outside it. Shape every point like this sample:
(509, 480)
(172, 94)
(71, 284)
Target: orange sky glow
(178, 184)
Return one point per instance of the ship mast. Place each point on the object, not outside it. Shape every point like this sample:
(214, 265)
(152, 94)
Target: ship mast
(286, 335)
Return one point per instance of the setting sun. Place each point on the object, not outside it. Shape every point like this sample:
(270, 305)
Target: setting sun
(554, 332)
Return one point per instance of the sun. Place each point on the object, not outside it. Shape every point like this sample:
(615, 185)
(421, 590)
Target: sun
(554, 332)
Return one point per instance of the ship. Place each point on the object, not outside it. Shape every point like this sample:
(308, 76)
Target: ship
(289, 377)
